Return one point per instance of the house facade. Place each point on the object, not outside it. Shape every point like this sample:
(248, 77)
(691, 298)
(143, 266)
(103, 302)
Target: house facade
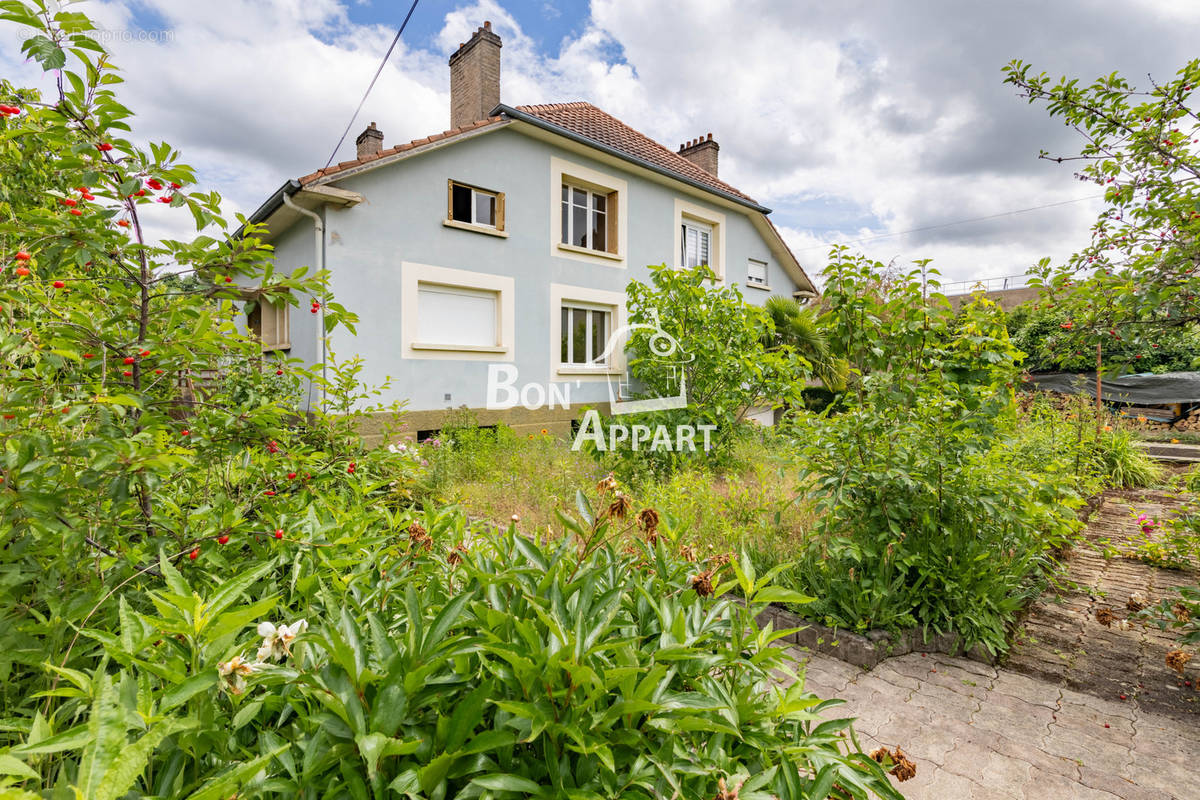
(499, 251)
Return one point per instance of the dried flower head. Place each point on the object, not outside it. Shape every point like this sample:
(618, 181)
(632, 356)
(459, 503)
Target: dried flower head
(418, 536)
(607, 484)
(687, 553)
(720, 560)
(1105, 617)
(1181, 612)
(702, 583)
(647, 520)
(1137, 601)
(620, 506)
(456, 555)
(1177, 660)
(902, 767)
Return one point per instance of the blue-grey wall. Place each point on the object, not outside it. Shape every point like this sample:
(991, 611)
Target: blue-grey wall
(401, 220)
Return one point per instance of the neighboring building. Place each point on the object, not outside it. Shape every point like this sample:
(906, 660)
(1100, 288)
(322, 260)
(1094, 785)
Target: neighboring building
(508, 239)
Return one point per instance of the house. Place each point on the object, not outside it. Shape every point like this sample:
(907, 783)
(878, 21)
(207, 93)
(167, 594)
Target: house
(503, 246)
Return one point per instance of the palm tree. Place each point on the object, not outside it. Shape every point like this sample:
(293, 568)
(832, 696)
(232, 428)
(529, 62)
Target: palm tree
(798, 327)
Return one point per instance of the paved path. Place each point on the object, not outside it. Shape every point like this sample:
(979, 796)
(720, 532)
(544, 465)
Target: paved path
(1062, 642)
(976, 732)
(1078, 710)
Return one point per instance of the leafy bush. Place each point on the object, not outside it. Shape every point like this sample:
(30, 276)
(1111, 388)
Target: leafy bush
(689, 330)
(921, 518)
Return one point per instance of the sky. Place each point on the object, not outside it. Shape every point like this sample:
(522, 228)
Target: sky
(858, 121)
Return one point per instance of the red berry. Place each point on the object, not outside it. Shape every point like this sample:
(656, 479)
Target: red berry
(279, 533)
(76, 212)
(278, 372)
(223, 539)
(144, 353)
(158, 372)
(175, 185)
(129, 359)
(154, 183)
(229, 279)
(194, 554)
(1123, 697)
(104, 147)
(127, 373)
(269, 493)
(1106, 724)
(66, 201)
(124, 223)
(22, 271)
(185, 432)
(22, 255)
(10, 416)
(59, 285)
(89, 355)
(291, 476)
(166, 199)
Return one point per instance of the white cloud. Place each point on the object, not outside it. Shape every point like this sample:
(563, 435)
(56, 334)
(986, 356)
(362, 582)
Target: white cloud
(854, 119)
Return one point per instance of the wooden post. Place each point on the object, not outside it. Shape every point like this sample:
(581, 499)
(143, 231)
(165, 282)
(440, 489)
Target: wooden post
(1099, 404)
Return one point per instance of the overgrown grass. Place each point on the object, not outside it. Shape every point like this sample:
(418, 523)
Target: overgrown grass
(751, 505)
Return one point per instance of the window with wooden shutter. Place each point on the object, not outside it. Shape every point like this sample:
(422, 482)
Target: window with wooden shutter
(270, 321)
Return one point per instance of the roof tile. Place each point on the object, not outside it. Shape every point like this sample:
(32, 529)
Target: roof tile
(588, 121)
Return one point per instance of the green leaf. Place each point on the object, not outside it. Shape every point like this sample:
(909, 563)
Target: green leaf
(504, 782)
(13, 766)
(229, 780)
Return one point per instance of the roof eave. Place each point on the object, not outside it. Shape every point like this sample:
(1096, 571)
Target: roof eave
(270, 205)
(546, 125)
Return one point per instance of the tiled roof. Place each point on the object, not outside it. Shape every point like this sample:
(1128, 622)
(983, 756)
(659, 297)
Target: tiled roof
(400, 148)
(590, 122)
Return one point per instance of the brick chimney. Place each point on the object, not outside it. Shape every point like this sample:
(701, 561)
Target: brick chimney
(370, 141)
(475, 78)
(702, 152)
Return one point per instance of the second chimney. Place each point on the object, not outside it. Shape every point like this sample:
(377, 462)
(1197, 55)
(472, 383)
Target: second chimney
(475, 78)
(702, 152)
(370, 141)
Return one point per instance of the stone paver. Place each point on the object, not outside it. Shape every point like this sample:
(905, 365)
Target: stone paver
(977, 732)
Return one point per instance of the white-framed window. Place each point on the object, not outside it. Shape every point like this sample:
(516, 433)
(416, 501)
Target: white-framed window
(699, 237)
(457, 316)
(585, 218)
(471, 205)
(695, 243)
(271, 323)
(584, 331)
(756, 272)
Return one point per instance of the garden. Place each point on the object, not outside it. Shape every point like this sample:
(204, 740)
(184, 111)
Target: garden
(213, 596)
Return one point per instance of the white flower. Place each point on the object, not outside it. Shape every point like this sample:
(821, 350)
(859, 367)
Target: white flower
(234, 671)
(277, 640)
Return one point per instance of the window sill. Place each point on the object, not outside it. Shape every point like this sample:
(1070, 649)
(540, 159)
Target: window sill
(584, 251)
(461, 348)
(566, 369)
(466, 226)
(762, 286)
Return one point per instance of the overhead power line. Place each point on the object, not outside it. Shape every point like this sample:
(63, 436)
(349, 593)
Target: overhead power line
(371, 86)
(955, 222)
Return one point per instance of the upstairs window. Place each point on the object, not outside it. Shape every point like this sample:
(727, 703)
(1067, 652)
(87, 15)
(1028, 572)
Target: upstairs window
(584, 333)
(589, 219)
(695, 244)
(756, 272)
(470, 205)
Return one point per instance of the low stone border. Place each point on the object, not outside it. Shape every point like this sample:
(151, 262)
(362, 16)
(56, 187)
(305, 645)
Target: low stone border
(868, 649)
